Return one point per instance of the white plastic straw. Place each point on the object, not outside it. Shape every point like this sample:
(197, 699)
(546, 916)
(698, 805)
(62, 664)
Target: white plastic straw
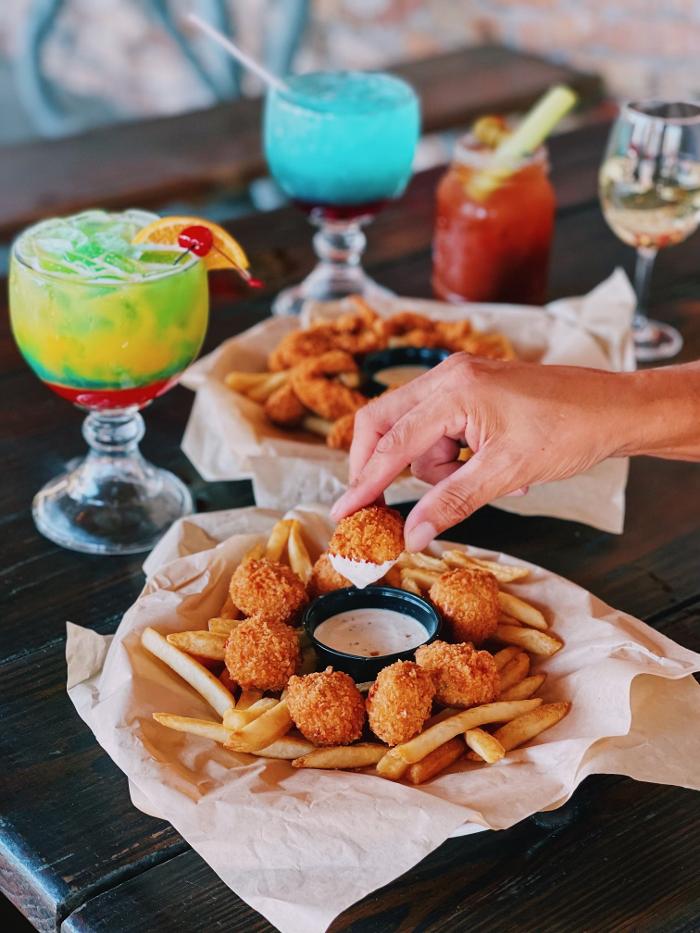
(245, 59)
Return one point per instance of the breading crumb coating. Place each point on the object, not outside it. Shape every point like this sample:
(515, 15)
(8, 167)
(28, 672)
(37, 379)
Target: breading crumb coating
(326, 707)
(372, 534)
(268, 590)
(325, 578)
(462, 675)
(399, 702)
(262, 654)
(468, 602)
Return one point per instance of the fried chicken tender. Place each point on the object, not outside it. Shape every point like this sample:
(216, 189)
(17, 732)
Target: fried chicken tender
(399, 702)
(268, 590)
(300, 345)
(462, 675)
(262, 654)
(327, 708)
(468, 602)
(341, 432)
(373, 534)
(325, 578)
(283, 407)
(314, 384)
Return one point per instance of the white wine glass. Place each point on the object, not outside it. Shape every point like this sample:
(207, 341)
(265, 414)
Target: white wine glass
(650, 195)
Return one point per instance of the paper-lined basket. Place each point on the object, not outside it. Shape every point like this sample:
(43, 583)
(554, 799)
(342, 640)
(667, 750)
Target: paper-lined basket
(301, 846)
(228, 436)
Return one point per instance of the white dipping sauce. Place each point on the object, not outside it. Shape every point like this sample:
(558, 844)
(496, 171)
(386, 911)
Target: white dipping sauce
(371, 633)
(400, 375)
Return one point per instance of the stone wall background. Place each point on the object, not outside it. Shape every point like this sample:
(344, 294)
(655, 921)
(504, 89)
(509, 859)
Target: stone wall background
(111, 51)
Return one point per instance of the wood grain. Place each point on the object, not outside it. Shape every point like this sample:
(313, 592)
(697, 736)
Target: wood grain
(71, 844)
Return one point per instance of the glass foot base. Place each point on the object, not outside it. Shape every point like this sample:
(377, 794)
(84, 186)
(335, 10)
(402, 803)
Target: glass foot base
(321, 287)
(656, 341)
(102, 512)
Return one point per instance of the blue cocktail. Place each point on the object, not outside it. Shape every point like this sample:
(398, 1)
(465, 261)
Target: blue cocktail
(340, 144)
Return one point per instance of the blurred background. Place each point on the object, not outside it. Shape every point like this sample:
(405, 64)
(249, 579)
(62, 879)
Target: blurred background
(66, 65)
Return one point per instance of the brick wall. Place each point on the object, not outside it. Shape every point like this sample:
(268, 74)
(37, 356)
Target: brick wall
(109, 49)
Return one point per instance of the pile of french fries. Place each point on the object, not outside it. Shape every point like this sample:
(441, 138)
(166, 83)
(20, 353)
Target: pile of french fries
(262, 725)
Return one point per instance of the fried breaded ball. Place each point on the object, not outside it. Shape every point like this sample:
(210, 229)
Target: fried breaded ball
(283, 407)
(468, 602)
(268, 590)
(399, 702)
(327, 708)
(262, 654)
(325, 578)
(462, 675)
(373, 534)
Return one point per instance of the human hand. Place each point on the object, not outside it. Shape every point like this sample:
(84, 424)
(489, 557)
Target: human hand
(525, 422)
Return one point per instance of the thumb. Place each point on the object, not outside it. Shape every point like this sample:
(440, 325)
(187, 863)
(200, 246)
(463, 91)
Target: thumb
(488, 475)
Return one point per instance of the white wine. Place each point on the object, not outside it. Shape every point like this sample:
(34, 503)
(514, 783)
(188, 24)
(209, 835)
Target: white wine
(645, 209)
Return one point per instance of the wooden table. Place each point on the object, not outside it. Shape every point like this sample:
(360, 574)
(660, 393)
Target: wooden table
(211, 151)
(75, 854)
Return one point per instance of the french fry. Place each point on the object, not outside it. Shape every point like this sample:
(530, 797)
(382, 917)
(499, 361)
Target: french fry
(528, 638)
(204, 644)
(417, 748)
(264, 389)
(222, 626)
(504, 573)
(424, 578)
(256, 552)
(191, 671)
(347, 757)
(485, 745)
(247, 698)
(465, 453)
(439, 759)
(243, 382)
(522, 611)
(392, 577)
(365, 686)
(526, 727)
(237, 718)
(455, 558)
(277, 541)
(505, 655)
(299, 559)
(507, 620)
(526, 688)
(229, 611)
(410, 585)
(317, 425)
(201, 727)
(351, 380)
(514, 671)
(264, 730)
(422, 561)
(289, 747)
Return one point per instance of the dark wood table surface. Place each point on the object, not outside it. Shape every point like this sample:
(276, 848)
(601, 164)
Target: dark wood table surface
(200, 154)
(75, 854)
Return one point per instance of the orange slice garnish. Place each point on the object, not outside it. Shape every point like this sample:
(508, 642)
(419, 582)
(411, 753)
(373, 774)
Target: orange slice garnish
(226, 252)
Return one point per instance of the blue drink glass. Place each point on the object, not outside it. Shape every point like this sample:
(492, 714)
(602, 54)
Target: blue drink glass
(340, 145)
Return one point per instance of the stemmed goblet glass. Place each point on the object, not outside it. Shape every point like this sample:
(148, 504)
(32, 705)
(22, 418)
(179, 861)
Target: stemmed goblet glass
(650, 194)
(340, 145)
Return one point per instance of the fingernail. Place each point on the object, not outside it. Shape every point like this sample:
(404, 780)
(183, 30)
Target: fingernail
(336, 511)
(419, 537)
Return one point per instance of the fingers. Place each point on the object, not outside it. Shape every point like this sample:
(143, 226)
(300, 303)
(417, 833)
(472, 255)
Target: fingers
(414, 433)
(437, 463)
(488, 475)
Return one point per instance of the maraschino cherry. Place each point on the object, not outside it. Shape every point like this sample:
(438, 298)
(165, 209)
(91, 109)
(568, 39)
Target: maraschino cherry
(199, 240)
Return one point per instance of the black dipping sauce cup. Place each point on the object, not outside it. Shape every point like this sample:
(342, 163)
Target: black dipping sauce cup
(359, 667)
(397, 356)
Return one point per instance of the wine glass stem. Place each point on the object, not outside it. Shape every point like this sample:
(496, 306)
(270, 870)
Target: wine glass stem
(340, 243)
(642, 282)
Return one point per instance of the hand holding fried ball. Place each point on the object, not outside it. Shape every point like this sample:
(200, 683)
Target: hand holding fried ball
(373, 534)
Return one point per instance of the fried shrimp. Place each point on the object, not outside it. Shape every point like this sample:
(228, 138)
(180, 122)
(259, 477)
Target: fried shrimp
(341, 432)
(408, 329)
(268, 590)
(468, 602)
(300, 345)
(262, 654)
(283, 407)
(315, 385)
(399, 702)
(373, 534)
(462, 675)
(327, 708)
(325, 579)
